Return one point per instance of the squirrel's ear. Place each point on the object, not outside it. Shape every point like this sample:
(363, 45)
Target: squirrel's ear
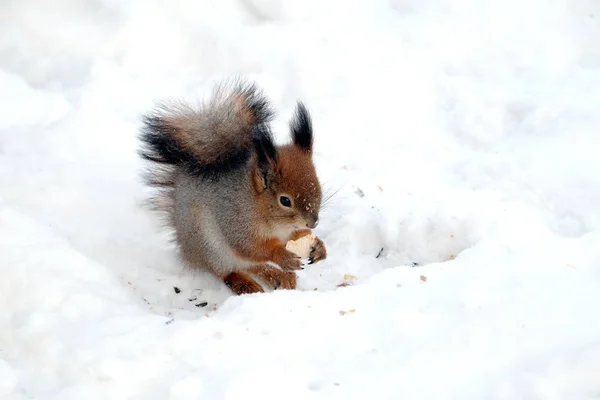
(301, 128)
(266, 155)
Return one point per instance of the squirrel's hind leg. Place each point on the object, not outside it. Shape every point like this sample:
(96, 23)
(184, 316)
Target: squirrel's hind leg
(242, 283)
(275, 277)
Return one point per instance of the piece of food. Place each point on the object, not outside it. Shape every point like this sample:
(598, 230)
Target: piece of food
(302, 246)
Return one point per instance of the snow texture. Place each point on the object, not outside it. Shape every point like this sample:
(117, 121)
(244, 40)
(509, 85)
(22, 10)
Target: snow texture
(460, 140)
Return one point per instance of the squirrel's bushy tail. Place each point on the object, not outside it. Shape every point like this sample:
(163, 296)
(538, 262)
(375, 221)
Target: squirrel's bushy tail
(208, 141)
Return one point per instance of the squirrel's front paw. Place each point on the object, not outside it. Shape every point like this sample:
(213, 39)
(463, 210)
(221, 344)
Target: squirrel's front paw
(317, 251)
(287, 260)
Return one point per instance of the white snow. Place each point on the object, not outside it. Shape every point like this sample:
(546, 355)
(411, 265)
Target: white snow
(459, 135)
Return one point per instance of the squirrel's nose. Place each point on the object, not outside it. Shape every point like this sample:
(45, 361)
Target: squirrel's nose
(313, 224)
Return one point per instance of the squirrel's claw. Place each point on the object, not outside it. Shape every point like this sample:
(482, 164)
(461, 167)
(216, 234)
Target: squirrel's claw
(318, 251)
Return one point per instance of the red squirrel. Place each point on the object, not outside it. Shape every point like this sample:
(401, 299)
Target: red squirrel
(231, 195)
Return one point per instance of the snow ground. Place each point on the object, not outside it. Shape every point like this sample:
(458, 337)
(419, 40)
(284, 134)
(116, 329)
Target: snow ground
(459, 135)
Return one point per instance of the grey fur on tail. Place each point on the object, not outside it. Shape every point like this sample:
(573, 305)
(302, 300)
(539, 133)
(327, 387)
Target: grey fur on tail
(208, 141)
(205, 142)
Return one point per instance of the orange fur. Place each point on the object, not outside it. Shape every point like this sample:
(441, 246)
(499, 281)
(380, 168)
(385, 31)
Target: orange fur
(300, 234)
(274, 250)
(277, 278)
(242, 283)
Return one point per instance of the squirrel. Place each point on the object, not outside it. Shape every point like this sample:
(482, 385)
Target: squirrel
(231, 195)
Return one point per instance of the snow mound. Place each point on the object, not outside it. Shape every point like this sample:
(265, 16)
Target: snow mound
(457, 140)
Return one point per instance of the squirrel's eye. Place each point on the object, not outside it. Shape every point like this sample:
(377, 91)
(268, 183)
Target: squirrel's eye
(285, 201)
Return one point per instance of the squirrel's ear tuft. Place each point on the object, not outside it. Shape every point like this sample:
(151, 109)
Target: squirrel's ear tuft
(301, 127)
